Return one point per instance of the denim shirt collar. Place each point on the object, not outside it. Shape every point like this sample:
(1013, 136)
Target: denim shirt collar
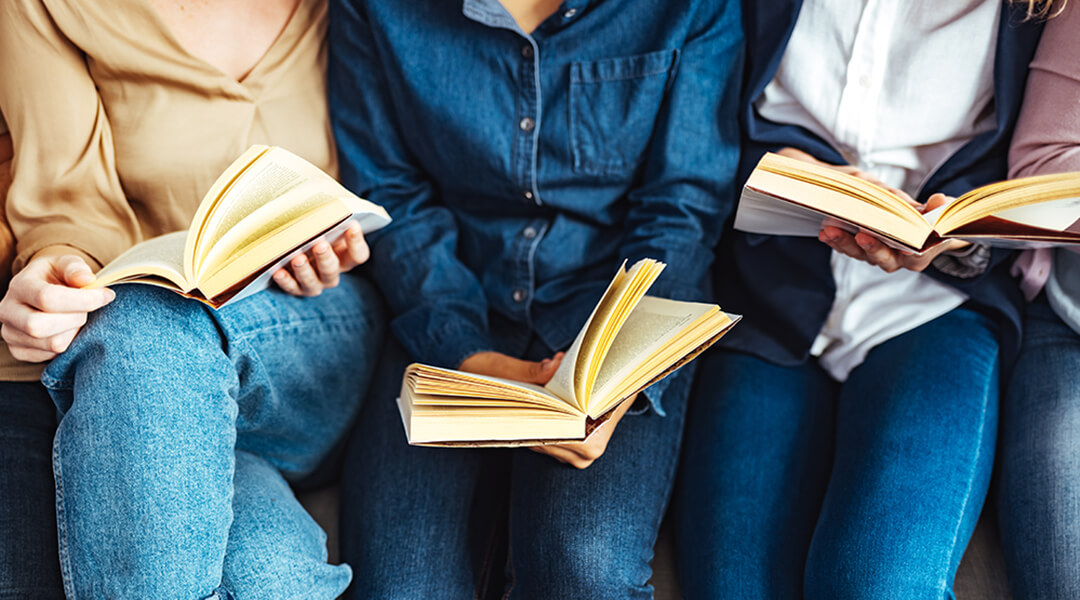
(493, 14)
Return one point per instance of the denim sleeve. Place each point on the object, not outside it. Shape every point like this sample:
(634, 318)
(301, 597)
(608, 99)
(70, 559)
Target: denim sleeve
(688, 187)
(439, 306)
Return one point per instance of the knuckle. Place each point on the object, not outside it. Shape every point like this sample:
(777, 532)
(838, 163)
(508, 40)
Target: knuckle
(40, 297)
(58, 344)
(35, 326)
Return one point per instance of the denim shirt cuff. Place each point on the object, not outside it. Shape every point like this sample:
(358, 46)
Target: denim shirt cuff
(652, 397)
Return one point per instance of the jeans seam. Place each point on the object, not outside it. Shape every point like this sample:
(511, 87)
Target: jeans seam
(342, 323)
(510, 543)
(967, 491)
(61, 520)
(484, 564)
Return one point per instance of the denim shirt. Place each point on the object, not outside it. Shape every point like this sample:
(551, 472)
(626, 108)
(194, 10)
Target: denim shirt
(521, 169)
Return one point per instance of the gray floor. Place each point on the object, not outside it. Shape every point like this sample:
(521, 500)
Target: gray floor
(981, 575)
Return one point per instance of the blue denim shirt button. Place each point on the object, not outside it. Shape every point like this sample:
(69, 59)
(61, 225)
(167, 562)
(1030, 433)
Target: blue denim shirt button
(570, 13)
(527, 124)
(529, 233)
(527, 51)
(520, 295)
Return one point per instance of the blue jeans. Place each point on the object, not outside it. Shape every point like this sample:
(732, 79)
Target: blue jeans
(1039, 480)
(29, 567)
(794, 485)
(417, 522)
(180, 430)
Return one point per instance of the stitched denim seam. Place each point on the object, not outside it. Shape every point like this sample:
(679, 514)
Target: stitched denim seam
(293, 326)
(484, 565)
(61, 520)
(510, 541)
(967, 492)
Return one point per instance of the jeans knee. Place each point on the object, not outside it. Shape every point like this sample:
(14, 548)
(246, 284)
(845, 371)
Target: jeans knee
(145, 342)
(870, 581)
(584, 567)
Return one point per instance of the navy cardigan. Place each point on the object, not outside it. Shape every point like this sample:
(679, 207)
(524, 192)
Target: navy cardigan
(784, 285)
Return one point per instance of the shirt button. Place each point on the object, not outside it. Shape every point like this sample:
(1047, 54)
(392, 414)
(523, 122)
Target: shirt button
(570, 13)
(528, 195)
(529, 233)
(527, 124)
(527, 51)
(520, 295)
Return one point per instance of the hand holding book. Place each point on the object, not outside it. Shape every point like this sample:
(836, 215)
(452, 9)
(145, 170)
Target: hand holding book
(793, 197)
(866, 246)
(320, 269)
(579, 455)
(628, 343)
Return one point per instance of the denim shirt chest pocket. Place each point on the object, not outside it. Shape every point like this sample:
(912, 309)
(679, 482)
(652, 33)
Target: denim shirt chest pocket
(614, 104)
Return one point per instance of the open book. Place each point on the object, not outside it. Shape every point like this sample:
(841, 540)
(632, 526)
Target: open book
(628, 343)
(268, 206)
(785, 196)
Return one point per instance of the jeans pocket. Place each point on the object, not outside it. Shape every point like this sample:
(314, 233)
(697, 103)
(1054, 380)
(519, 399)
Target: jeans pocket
(614, 105)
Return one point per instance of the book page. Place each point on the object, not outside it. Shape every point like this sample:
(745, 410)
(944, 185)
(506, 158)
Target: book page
(1055, 215)
(1055, 191)
(162, 256)
(595, 338)
(447, 387)
(653, 324)
(271, 175)
(766, 187)
(562, 382)
(275, 215)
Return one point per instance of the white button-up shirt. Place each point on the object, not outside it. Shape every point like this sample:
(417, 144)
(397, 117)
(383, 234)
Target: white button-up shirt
(897, 87)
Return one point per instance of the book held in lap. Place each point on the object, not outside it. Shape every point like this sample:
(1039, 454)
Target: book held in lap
(628, 343)
(785, 196)
(267, 207)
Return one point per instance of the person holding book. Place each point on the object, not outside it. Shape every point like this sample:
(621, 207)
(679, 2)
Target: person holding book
(841, 439)
(181, 426)
(1039, 477)
(29, 561)
(525, 149)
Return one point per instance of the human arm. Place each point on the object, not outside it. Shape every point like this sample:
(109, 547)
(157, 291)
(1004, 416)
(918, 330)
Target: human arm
(1047, 135)
(687, 188)
(64, 190)
(65, 206)
(439, 306)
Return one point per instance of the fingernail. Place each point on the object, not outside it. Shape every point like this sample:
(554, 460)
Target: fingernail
(280, 275)
(545, 364)
(322, 248)
(299, 261)
(864, 244)
(109, 295)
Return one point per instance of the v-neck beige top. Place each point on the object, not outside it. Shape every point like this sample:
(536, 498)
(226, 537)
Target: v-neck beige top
(118, 130)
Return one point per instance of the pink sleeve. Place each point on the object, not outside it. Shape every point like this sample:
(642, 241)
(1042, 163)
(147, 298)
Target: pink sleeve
(1047, 136)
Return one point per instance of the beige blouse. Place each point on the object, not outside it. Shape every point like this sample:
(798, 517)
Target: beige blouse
(118, 130)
